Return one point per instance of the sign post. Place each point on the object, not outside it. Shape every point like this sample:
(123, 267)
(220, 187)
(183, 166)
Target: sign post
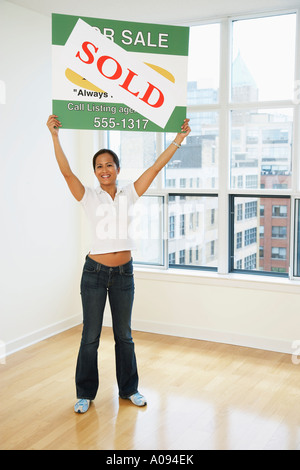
(115, 75)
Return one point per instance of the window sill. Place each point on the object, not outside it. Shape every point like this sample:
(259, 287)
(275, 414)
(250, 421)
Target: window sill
(232, 280)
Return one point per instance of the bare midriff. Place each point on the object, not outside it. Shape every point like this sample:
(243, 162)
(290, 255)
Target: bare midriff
(112, 259)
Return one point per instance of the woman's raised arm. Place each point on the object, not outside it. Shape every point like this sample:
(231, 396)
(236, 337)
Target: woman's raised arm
(75, 186)
(144, 181)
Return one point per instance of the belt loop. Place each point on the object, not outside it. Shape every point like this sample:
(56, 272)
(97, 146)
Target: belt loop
(121, 269)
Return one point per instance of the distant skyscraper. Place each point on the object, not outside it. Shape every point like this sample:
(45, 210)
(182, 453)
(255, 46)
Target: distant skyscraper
(244, 87)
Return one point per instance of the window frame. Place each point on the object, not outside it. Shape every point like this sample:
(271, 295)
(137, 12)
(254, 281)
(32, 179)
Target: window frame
(187, 222)
(225, 194)
(232, 247)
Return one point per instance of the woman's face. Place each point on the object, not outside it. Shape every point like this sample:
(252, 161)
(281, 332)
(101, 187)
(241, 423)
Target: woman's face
(106, 170)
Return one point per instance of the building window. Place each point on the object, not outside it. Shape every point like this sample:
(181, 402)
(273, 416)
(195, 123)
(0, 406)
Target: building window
(171, 226)
(182, 257)
(239, 240)
(250, 209)
(265, 249)
(171, 258)
(182, 224)
(250, 236)
(250, 262)
(239, 212)
(279, 232)
(212, 216)
(251, 162)
(279, 253)
(261, 252)
(279, 211)
(197, 234)
(147, 229)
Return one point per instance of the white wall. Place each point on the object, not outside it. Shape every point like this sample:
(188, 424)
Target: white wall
(248, 312)
(40, 221)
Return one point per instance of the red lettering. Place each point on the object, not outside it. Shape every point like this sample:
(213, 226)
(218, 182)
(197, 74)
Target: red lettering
(118, 71)
(127, 82)
(87, 52)
(153, 96)
(148, 93)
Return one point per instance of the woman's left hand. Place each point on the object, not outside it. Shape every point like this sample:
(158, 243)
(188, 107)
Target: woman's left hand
(185, 130)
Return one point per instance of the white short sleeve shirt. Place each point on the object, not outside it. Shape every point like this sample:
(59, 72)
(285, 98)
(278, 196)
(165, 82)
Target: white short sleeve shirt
(111, 220)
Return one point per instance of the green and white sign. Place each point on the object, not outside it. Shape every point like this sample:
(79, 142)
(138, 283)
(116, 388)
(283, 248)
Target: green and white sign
(115, 75)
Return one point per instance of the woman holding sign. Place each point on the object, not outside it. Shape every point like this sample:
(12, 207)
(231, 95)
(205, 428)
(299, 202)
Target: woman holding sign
(108, 267)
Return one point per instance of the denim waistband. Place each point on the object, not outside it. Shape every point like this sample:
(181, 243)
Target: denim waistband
(102, 267)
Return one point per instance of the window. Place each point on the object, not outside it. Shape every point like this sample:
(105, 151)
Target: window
(182, 257)
(279, 253)
(279, 211)
(256, 163)
(212, 216)
(263, 67)
(171, 258)
(239, 240)
(250, 262)
(279, 232)
(172, 226)
(198, 156)
(148, 230)
(268, 252)
(239, 212)
(203, 81)
(261, 252)
(182, 224)
(261, 143)
(250, 209)
(241, 155)
(250, 236)
(195, 243)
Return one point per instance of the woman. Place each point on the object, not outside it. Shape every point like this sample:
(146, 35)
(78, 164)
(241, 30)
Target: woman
(108, 267)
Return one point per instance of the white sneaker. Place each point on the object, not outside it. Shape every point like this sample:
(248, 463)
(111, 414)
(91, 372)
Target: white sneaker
(138, 399)
(82, 406)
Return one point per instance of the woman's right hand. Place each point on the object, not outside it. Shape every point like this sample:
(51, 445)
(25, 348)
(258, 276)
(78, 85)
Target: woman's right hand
(53, 124)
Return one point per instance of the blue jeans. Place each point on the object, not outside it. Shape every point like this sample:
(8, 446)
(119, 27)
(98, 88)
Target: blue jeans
(97, 282)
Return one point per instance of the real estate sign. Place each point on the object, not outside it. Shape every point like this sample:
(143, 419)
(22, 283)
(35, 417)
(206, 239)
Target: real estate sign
(116, 75)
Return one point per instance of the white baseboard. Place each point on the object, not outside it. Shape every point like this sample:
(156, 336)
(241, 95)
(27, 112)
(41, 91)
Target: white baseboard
(39, 335)
(214, 336)
(225, 337)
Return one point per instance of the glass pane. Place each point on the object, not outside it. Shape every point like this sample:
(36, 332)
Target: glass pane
(261, 234)
(263, 58)
(137, 152)
(148, 230)
(193, 231)
(195, 164)
(297, 239)
(203, 81)
(261, 149)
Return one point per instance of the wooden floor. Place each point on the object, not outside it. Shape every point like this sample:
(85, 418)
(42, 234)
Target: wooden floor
(200, 395)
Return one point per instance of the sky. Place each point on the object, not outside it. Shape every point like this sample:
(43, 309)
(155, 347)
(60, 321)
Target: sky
(267, 46)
